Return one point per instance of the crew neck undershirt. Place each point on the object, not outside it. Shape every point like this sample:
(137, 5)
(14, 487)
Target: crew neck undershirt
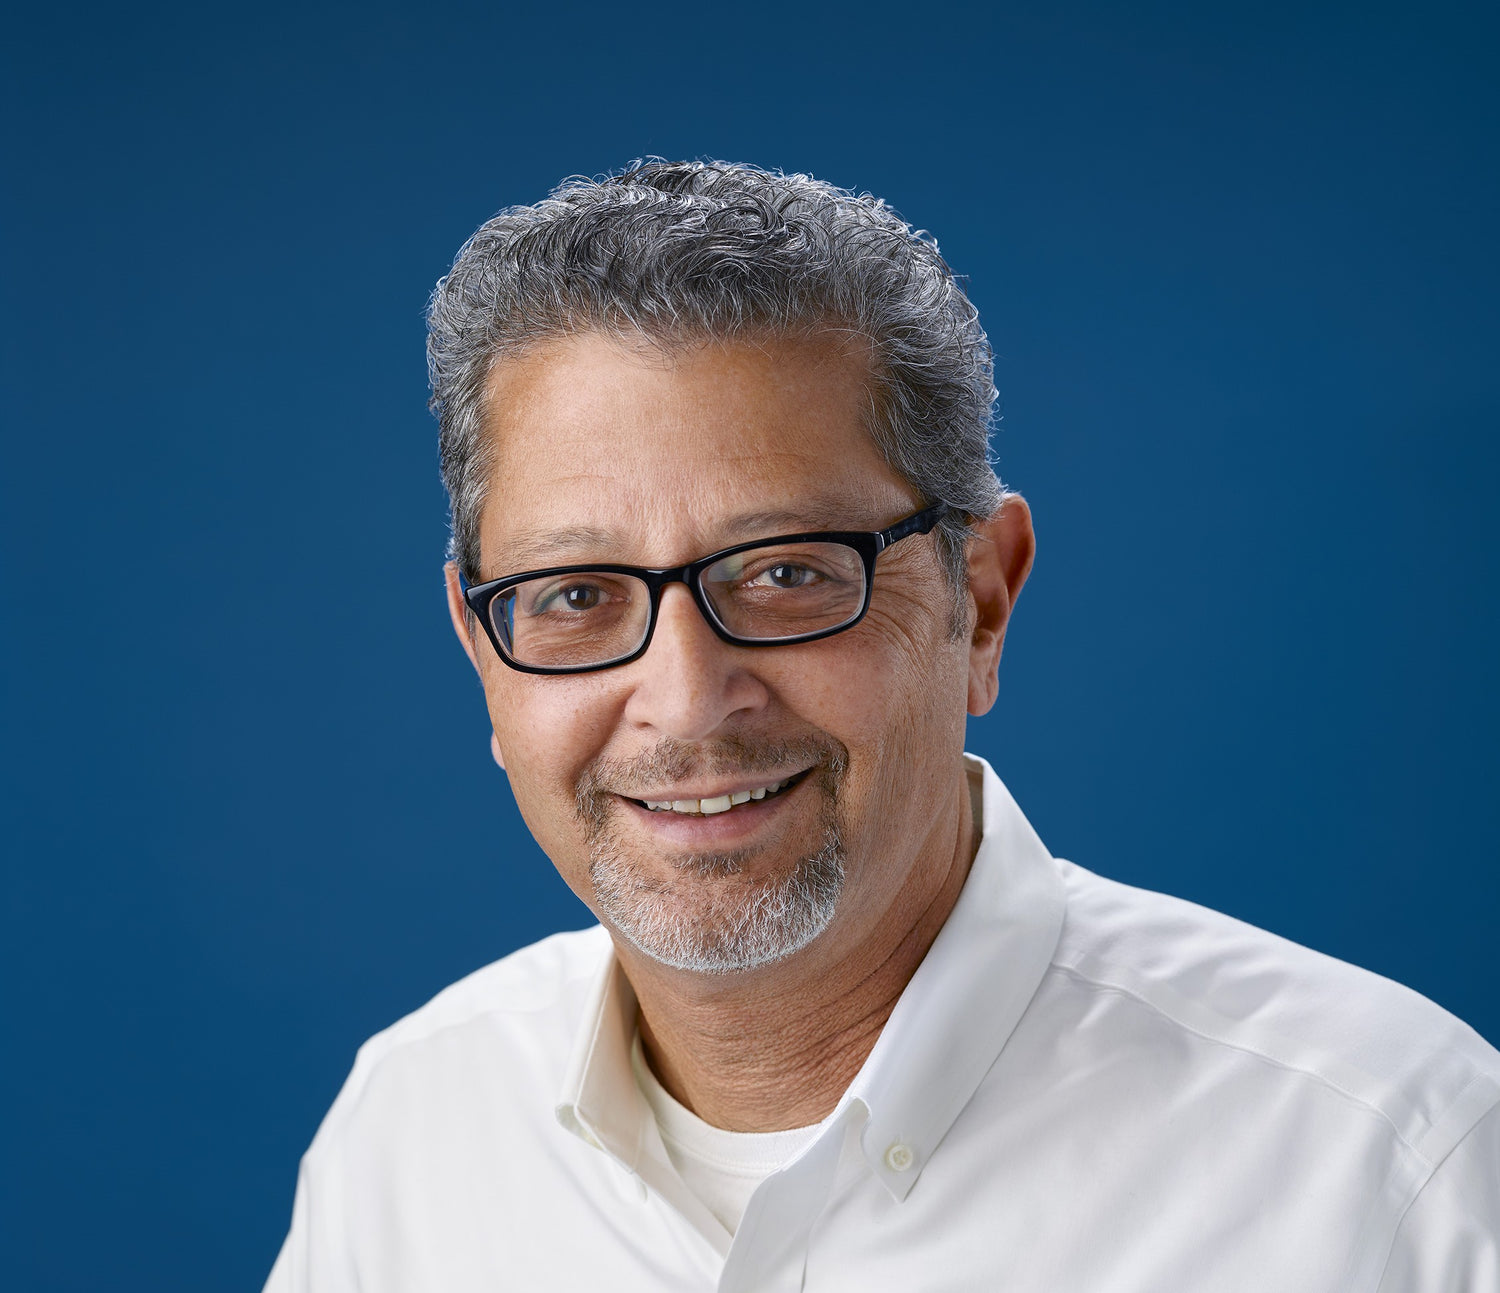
(722, 1168)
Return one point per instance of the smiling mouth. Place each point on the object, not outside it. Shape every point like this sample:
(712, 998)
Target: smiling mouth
(722, 803)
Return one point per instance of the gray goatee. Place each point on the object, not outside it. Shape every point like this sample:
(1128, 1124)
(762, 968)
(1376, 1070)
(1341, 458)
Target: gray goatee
(710, 916)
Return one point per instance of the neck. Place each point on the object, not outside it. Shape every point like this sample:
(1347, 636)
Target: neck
(776, 1048)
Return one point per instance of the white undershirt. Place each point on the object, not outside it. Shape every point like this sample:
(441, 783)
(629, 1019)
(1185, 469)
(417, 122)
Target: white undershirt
(721, 1167)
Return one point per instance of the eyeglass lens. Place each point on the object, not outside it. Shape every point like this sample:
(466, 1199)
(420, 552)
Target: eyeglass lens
(764, 594)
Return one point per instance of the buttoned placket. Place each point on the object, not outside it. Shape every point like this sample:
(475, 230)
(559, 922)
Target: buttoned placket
(769, 1253)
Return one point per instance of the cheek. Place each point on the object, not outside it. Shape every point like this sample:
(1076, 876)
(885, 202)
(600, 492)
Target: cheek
(919, 658)
(899, 706)
(548, 729)
(888, 694)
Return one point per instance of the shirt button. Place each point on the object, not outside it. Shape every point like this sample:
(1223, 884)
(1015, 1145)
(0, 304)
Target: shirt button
(899, 1157)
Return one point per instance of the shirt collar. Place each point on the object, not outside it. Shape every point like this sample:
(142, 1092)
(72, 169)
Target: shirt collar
(600, 1102)
(946, 1031)
(966, 997)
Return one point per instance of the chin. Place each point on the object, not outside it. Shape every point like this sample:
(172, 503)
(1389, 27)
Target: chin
(715, 919)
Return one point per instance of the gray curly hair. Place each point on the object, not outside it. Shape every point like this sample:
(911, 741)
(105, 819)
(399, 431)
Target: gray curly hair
(682, 251)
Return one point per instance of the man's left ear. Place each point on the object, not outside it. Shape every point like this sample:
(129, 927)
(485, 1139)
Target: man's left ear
(1000, 556)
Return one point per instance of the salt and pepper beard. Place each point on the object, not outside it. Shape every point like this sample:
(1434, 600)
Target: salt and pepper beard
(709, 921)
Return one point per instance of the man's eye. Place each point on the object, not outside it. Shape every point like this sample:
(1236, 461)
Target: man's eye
(569, 597)
(786, 574)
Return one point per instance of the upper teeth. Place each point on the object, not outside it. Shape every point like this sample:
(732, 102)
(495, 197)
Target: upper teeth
(718, 804)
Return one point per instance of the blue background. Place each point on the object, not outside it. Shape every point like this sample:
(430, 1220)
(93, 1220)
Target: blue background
(1239, 269)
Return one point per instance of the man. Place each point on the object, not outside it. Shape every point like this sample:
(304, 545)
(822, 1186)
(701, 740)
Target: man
(732, 565)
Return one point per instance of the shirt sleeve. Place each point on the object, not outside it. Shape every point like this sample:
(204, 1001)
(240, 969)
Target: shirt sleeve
(1449, 1239)
(280, 1279)
(315, 1257)
(289, 1274)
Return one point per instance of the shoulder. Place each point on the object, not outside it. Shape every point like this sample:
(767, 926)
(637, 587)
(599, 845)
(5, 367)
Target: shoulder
(507, 1028)
(534, 980)
(1425, 1072)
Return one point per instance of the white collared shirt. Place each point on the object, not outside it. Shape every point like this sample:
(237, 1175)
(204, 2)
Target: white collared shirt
(1084, 1087)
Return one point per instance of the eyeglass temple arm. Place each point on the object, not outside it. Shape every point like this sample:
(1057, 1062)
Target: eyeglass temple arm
(921, 523)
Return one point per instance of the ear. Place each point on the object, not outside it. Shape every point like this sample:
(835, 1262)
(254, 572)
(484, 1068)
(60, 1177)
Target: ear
(1000, 555)
(458, 613)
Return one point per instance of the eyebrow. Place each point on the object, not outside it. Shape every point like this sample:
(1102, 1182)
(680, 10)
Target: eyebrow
(547, 548)
(554, 547)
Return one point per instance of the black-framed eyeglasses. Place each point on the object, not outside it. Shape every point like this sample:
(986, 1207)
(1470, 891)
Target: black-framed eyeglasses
(770, 592)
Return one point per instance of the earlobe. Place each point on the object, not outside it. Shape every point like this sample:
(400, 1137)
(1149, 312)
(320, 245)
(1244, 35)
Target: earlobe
(1000, 557)
(495, 752)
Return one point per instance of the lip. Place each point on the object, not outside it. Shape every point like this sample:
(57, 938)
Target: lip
(743, 786)
(741, 827)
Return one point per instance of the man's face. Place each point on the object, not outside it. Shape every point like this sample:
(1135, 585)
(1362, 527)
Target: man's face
(614, 454)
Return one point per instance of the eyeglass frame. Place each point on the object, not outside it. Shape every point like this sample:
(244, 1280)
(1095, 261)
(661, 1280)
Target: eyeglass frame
(869, 544)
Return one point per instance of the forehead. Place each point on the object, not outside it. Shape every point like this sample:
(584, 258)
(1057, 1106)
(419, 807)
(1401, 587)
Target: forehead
(608, 450)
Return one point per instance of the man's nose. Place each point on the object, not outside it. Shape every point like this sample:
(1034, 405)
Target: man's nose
(690, 681)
